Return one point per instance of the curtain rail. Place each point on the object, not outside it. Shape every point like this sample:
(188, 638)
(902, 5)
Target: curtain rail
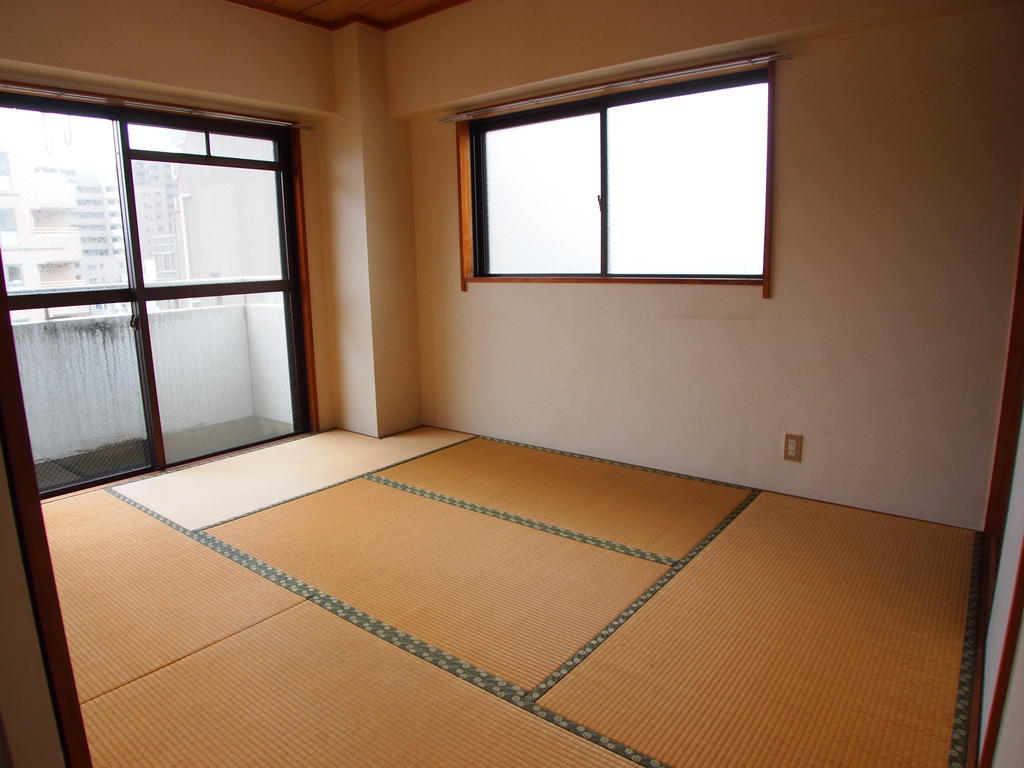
(721, 66)
(68, 94)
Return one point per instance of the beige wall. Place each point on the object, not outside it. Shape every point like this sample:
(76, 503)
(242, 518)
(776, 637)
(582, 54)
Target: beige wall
(343, 195)
(205, 47)
(393, 297)
(25, 708)
(367, 191)
(898, 198)
(476, 51)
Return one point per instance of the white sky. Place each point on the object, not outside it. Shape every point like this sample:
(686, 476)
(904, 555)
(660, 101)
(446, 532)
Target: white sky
(85, 144)
(686, 188)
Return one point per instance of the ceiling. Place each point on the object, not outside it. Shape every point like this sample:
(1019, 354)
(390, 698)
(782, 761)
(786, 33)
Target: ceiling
(334, 14)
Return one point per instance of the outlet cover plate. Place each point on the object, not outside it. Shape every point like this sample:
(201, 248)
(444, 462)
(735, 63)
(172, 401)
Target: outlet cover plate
(793, 448)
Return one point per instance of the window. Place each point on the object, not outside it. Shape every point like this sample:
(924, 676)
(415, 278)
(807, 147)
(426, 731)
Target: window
(667, 183)
(184, 340)
(5, 172)
(15, 275)
(8, 228)
(44, 219)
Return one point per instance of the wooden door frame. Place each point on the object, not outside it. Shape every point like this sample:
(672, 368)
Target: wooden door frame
(35, 551)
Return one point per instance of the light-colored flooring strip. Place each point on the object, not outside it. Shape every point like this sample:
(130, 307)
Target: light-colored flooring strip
(209, 493)
(536, 524)
(304, 690)
(651, 511)
(135, 596)
(510, 599)
(806, 635)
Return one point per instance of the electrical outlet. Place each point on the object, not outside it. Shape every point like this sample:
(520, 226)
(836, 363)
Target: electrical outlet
(793, 448)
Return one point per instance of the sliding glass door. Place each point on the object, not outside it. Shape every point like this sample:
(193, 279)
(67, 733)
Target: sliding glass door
(148, 263)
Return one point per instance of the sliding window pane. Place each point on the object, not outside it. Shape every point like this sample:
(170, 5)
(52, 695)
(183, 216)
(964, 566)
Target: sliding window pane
(543, 184)
(156, 138)
(202, 224)
(686, 181)
(223, 372)
(80, 379)
(60, 203)
(242, 147)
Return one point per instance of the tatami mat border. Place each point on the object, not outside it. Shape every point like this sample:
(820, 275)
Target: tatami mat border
(959, 743)
(605, 633)
(623, 549)
(400, 639)
(614, 463)
(329, 486)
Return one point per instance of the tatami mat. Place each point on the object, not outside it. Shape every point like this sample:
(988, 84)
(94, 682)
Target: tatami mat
(220, 490)
(655, 512)
(806, 635)
(307, 690)
(136, 595)
(510, 599)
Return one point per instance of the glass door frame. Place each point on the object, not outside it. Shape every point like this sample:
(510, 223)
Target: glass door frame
(293, 283)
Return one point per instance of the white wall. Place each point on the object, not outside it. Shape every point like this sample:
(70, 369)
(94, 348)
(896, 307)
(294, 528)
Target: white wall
(1010, 747)
(898, 192)
(1011, 743)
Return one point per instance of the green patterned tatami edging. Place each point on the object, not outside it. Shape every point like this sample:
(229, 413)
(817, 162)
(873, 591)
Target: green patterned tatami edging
(524, 521)
(614, 463)
(328, 486)
(460, 668)
(959, 742)
(666, 577)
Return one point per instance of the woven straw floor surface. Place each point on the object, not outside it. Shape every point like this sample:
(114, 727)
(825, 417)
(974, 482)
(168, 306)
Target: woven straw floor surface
(136, 595)
(651, 511)
(806, 634)
(798, 634)
(306, 690)
(510, 599)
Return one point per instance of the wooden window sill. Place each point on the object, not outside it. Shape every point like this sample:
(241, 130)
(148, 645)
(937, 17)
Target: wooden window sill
(618, 280)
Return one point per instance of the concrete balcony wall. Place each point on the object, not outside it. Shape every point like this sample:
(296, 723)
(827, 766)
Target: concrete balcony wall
(214, 365)
(80, 381)
(203, 375)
